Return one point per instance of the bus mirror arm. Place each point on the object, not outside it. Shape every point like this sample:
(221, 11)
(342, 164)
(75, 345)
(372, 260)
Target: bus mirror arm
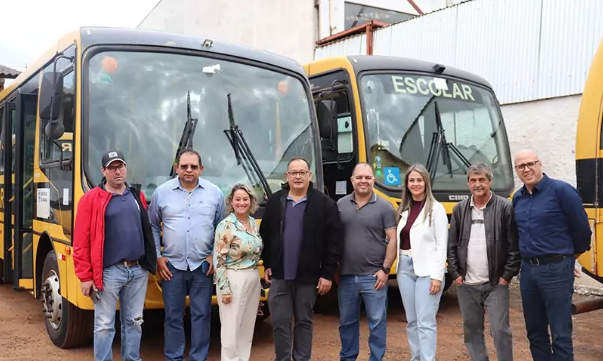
(64, 164)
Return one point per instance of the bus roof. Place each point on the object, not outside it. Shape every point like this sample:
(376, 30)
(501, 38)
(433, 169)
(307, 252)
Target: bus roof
(380, 62)
(90, 36)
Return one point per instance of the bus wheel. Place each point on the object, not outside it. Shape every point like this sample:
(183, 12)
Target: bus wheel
(67, 325)
(263, 311)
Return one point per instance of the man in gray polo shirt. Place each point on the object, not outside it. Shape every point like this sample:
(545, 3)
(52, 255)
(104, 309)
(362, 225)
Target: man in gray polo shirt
(369, 249)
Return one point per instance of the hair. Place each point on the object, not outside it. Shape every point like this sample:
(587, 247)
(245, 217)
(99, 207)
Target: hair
(253, 199)
(407, 196)
(188, 151)
(298, 158)
(479, 168)
(359, 164)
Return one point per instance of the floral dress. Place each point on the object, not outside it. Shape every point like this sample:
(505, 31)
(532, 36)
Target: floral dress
(235, 248)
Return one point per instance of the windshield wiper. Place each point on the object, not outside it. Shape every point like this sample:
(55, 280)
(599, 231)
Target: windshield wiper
(439, 145)
(186, 140)
(243, 153)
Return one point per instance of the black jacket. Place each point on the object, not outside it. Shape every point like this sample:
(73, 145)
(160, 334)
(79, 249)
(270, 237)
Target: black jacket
(502, 240)
(322, 241)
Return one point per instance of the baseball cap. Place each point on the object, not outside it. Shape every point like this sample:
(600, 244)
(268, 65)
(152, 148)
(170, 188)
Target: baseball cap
(112, 156)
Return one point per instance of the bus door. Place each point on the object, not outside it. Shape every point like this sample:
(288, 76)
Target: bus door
(23, 190)
(336, 121)
(7, 117)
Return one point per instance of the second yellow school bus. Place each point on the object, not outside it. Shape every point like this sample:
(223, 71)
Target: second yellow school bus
(149, 94)
(392, 112)
(589, 163)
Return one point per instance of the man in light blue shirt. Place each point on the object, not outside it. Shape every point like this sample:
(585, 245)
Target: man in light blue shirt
(187, 209)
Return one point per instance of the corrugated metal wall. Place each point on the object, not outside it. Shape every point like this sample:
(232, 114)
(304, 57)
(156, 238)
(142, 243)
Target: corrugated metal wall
(527, 49)
(351, 46)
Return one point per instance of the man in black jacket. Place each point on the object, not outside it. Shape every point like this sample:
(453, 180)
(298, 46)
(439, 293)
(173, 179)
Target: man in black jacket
(302, 237)
(483, 257)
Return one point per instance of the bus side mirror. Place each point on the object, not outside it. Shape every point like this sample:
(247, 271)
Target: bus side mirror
(327, 120)
(51, 93)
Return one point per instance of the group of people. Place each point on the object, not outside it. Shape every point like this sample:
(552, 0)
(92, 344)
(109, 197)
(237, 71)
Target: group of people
(306, 240)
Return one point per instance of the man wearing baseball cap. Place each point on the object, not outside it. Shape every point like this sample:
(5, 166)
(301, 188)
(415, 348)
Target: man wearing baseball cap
(114, 252)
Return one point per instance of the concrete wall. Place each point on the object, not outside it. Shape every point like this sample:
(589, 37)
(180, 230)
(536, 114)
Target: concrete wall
(548, 127)
(286, 27)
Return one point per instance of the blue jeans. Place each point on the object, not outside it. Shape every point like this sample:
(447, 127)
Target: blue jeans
(199, 287)
(546, 294)
(421, 308)
(351, 289)
(130, 285)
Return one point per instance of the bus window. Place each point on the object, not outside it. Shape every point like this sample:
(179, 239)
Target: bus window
(49, 151)
(343, 147)
(406, 115)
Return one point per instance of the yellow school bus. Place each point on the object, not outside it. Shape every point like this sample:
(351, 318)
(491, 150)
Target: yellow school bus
(392, 112)
(149, 94)
(589, 163)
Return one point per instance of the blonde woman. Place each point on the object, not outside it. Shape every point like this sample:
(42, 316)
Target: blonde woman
(237, 250)
(422, 243)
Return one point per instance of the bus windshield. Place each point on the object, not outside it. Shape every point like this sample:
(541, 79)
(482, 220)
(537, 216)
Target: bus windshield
(443, 124)
(141, 102)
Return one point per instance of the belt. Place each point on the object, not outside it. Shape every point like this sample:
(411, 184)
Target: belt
(545, 260)
(406, 252)
(129, 263)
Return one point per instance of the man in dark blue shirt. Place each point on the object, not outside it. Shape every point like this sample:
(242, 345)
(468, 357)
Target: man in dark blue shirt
(553, 231)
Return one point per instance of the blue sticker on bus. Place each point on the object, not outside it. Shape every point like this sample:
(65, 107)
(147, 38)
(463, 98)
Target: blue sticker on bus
(391, 176)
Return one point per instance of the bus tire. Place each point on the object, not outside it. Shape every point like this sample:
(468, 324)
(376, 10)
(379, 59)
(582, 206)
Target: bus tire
(67, 325)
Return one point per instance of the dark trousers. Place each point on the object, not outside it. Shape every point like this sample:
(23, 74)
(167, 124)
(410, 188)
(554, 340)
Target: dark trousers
(494, 300)
(199, 288)
(546, 294)
(286, 300)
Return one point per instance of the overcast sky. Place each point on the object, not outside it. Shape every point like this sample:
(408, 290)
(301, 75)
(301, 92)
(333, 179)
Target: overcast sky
(33, 25)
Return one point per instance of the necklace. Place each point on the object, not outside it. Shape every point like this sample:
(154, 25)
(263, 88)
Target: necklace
(244, 222)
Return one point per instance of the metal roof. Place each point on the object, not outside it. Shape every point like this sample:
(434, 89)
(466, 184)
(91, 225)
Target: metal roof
(8, 73)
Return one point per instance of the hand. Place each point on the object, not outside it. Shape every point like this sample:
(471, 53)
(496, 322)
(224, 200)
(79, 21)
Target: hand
(324, 286)
(226, 299)
(162, 269)
(459, 280)
(381, 279)
(210, 260)
(87, 287)
(435, 287)
(577, 270)
(268, 275)
(502, 281)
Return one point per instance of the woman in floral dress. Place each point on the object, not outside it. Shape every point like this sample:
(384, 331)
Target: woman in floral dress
(237, 251)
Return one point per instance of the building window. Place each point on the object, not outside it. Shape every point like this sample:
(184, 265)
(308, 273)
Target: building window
(356, 14)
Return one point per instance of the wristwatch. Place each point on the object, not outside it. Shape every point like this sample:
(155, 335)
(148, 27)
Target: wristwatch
(386, 269)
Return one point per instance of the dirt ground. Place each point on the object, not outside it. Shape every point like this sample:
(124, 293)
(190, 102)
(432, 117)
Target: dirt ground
(23, 335)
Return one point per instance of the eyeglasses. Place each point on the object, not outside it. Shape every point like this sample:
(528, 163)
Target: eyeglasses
(187, 166)
(523, 166)
(298, 173)
(114, 168)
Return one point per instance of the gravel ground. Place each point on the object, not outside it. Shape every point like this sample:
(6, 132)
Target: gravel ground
(23, 334)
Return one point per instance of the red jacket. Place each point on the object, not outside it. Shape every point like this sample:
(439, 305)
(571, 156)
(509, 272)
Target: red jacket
(89, 235)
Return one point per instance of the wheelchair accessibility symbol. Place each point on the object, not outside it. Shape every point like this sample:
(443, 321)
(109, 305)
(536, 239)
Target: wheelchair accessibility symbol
(391, 176)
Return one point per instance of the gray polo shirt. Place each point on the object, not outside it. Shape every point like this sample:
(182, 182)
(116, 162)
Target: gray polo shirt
(364, 243)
